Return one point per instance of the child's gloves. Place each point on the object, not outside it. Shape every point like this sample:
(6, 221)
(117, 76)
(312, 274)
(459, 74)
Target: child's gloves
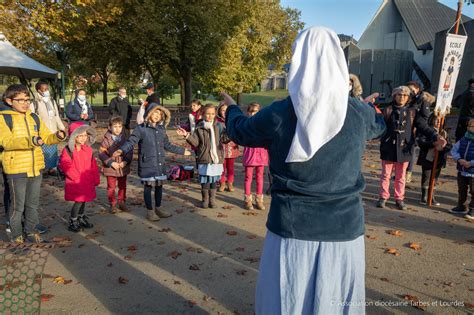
(37, 141)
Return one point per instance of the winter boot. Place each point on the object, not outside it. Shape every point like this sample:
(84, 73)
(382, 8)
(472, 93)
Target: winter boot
(382, 203)
(424, 196)
(230, 187)
(162, 213)
(205, 198)
(122, 206)
(74, 225)
(151, 216)
(259, 200)
(400, 205)
(212, 198)
(84, 221)
(248, 202)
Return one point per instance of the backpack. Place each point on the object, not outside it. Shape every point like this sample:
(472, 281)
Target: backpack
(61, 174)
(9, 121)
(180, 173)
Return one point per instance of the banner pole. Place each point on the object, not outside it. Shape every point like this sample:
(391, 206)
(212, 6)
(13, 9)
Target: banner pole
(440, 122)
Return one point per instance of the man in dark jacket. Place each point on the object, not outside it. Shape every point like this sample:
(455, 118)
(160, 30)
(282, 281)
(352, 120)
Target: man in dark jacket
(120, 106)
(465, 102)
(152, 97)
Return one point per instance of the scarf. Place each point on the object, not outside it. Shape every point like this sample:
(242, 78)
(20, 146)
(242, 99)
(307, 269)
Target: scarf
(469, 135)
(317, 83)
(49, 106)
(83, 104)
(214, 157)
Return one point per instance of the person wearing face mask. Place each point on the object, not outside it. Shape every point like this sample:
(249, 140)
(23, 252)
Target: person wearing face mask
(120, 106)
(465, 102)
(45, 107)
(79, 109)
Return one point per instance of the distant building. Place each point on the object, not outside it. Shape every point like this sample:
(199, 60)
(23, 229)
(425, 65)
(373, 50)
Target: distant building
(409, 25)
(346, 40)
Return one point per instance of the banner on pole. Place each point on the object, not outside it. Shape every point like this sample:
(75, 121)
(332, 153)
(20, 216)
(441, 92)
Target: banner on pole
(453, 53)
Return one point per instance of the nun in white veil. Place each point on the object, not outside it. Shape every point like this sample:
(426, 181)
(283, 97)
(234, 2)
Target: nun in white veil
(313, 261)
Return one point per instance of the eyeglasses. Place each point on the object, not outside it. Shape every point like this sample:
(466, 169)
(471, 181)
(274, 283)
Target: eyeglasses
(22, 100)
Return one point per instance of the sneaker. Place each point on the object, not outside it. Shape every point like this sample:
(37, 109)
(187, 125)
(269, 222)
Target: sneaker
(19, 240)
(459, 210)
(74, 225)
(381, 203)
(400, 205)
(84, 222)
(470, 215)
(35, 238)
(41, 229)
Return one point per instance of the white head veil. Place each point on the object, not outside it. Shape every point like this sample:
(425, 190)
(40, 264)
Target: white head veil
(318, 86)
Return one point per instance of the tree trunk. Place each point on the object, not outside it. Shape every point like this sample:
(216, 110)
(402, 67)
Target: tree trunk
(188, 90)
(239, 99)
(105, 81)
(181, 91)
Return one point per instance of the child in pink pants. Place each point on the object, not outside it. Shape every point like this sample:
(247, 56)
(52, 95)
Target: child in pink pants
(254, 158)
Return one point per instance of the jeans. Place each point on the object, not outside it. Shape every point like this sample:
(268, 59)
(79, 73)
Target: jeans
(122, 189)
(24, 200)
(399, 184)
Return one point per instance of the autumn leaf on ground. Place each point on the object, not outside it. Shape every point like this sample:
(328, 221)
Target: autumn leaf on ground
(179, 211)
(371, 237)
(177, 282)
(174, 254)
(109, 265)
(228, 207)
(252, 259)
(59, 280)
(251, 237)
(62, 241)
(397, 233)
(469, 306)
(415, 302)
(414, 246)
(221, 215)
(165, 230)
(231, 233)
(240, 249)
(241, 272)
(122, 280)
(449, 284)
(385, 279)
(128, 257)
(392, 251)
(191, 303)
(132, 248)
(250, 213)
(194, 267)
(46, 297)
(206, 298)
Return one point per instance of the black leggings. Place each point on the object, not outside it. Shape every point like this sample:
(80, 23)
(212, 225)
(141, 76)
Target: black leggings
(77, 209)
(147, 196)
(426, 176)
(209, 186)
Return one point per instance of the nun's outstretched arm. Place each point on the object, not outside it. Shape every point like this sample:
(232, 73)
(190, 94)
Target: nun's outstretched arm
(256, 131)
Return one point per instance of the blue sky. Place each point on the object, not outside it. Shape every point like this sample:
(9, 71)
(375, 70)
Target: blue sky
(348, 17)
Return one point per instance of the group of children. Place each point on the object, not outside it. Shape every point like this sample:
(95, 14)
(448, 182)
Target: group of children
(22, 134)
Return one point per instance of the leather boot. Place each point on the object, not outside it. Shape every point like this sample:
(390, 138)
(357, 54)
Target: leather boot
(205, 198)
(212, 198)
(231, 187)
(222, 187)
(424, 196)
(260, 205)
(248, 202)
(162, 213)
(151, 216)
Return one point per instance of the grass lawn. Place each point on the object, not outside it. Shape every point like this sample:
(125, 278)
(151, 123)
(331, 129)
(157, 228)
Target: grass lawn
(264, 98)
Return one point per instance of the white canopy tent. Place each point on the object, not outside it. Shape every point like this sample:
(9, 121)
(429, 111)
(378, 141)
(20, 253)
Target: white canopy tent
(14, 62)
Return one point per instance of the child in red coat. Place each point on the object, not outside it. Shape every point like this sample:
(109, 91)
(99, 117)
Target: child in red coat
(82, 173)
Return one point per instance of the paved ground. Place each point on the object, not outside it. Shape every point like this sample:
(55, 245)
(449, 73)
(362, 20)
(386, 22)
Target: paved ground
(206, 261)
